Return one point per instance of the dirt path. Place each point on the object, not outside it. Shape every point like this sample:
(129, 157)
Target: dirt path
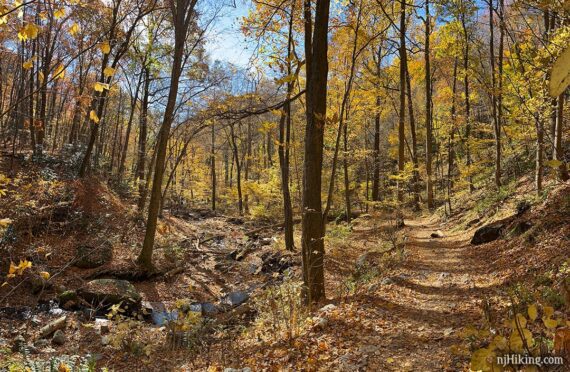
(417, 312)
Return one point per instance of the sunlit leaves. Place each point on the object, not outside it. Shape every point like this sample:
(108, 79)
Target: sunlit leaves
(59, 72)
(532, 312)
(74, 29)
(5, 222)
(44, 275)
(560, 74)
(28, 64)
(553, 163)
(28, 32)
(18, 269)
(62, 367)
(108, 71)
(481, 360)
(105, 47)
(100, 87)
(93, 116)
(59, 13)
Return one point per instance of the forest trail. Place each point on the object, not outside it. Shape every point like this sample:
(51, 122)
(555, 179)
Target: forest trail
(435, 292)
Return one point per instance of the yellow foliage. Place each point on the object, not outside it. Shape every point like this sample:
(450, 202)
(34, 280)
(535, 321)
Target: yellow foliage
(100, 87)
(28, 32)
(108, 71)
(93, 116)
(74, 29)
(105, 47)
(59, 13)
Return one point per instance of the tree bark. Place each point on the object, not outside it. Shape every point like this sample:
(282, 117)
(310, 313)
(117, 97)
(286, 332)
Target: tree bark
(429, 133)
(313, 249)
(558, 153)
(182, 12)
(402, 113)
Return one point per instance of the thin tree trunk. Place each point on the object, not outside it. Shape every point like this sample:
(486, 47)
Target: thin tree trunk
(467, 103)
(402, 113)
(142, 141)
(182, 12)
(284, 144)
(213, 166)
(429, 133)
(558, 153)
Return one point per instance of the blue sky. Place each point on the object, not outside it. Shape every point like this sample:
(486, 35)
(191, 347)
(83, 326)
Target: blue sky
(227, 43)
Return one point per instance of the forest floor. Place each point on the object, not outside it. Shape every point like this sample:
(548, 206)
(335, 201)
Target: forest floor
(405, 300)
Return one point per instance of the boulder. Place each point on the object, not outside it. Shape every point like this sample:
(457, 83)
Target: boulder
(58, 338)
(90, 256)
(67, 300)
(107, 292)
(235, 298)
(205, 308)
(488, 233)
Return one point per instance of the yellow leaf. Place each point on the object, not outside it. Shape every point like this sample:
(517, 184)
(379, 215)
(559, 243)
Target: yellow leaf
(25, 265)
(532, 312)
(548, 311)
(3, 284)
(93, 116)
(12, 269)
(28, 64)
(99, 87)
(59, 13)
(5, 222)
(45, 275)
(521, 322)
(41, 76)
(29, 31)
(63, 368)
(108, 71)
(74, 29)
(517, 343)
(390, 360)
(500, 342)
(553, 163)
(560, 74)
(479, 360)
(59, 72)
(550, 323)
(105, 47)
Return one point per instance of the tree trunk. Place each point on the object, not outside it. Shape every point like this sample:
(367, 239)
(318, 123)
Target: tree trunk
(313, 249)
(142, 140)
(182, 13)
(558, 153)
(467, 103)
(402, 113)
(125, 148)
(429, 133)
(213, 167)
(451, 143)
(284, 145)
(238, 168)
(415, 174)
